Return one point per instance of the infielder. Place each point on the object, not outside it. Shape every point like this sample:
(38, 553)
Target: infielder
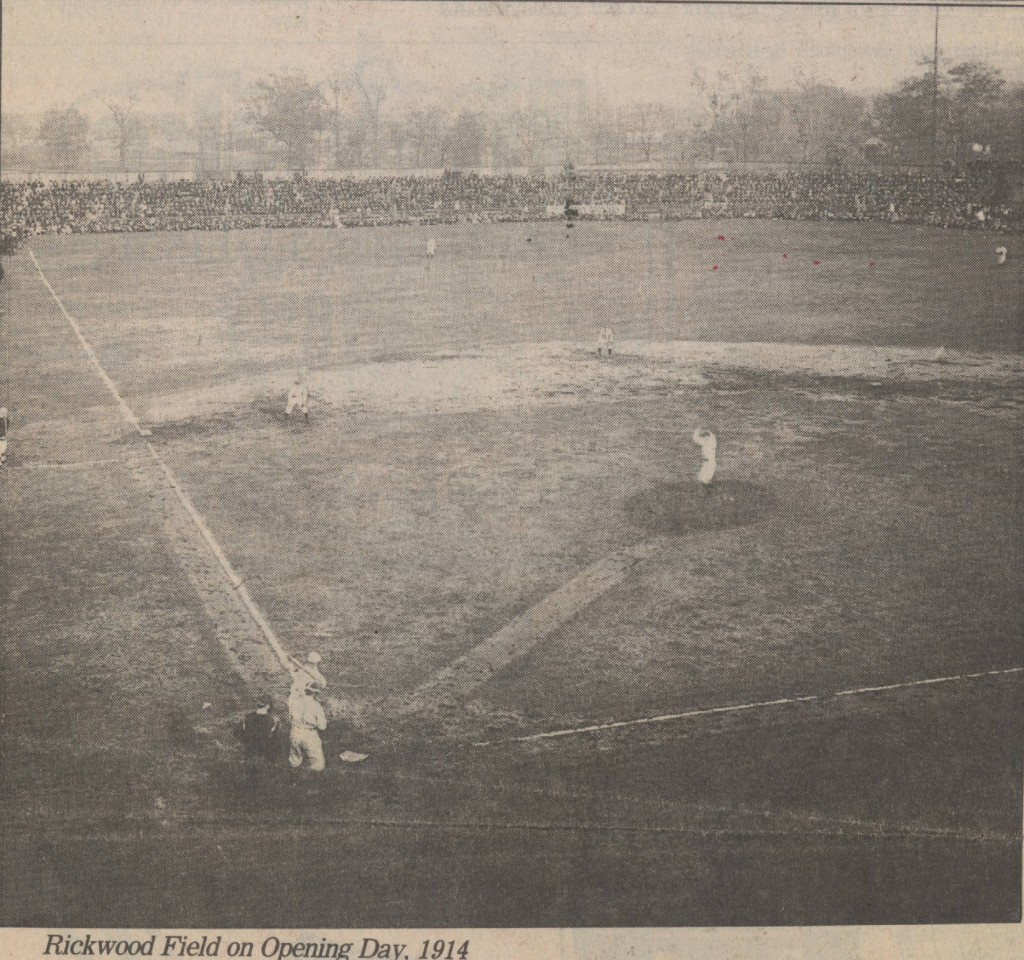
(308, 721)
(298, 396)
(705, 439)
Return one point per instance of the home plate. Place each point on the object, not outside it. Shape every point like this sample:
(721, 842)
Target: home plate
(350, 757)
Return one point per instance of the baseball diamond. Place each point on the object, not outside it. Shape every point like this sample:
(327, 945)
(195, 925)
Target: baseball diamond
(515, 466)
(510, 540)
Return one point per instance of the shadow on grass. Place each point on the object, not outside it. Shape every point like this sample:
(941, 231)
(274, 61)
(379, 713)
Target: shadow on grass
(680, 508)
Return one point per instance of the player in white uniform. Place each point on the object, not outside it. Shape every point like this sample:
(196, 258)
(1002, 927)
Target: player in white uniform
(298, 396)
(308, 721)
(307, 672)
(605, 339)
(708, 444)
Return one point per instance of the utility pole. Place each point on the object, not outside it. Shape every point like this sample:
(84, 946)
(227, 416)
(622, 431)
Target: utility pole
(935, 92)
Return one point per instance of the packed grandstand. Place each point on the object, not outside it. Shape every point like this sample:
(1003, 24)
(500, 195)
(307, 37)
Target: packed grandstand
(948, 200)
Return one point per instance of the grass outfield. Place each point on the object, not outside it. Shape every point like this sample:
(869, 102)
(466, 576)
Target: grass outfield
(467, 458)
(264, 301)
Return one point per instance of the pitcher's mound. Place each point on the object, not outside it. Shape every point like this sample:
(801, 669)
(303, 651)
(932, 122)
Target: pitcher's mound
(679, 508)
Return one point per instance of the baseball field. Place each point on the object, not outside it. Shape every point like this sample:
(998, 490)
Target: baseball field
(591, 691)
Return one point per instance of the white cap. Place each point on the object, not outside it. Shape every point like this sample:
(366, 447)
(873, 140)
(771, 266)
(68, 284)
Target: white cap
(313, 657)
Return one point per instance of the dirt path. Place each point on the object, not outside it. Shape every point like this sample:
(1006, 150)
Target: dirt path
(464, 676)
(561, 373)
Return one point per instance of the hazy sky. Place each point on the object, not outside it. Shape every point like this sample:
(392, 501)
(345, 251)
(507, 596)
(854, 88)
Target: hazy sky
(62, 51)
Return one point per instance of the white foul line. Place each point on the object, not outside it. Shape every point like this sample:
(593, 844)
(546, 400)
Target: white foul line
(186, 502)
(736, 708)
(90, 353)
(74, 465)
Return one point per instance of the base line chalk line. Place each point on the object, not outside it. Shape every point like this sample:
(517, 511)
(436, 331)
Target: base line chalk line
(74, 465)
(739, 707)
(186, 501)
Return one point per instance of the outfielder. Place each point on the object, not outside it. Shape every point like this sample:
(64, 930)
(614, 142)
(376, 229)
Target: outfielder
(705, 439)
(308, 721)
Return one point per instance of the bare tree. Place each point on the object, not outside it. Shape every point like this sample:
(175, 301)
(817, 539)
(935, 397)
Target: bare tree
(467, 138)
(423, 129)
(644, 132)
(718, 100)
(749, 111)
(372, 88)
(337, 86)
(130, 129)
(524, 133)
(740, 116)
(825, 120)
(206, 125)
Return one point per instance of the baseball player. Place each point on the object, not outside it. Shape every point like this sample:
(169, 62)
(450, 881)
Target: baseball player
(308, 721)
(298, 396)
(256, 730)
(307, 672)
(605, 339)
(1001, 254)
(3, 435)
(705, 439)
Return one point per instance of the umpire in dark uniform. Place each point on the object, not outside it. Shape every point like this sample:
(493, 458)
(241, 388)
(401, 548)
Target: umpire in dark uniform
(258, 732)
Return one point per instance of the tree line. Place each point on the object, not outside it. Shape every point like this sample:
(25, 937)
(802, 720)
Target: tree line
(963, 112)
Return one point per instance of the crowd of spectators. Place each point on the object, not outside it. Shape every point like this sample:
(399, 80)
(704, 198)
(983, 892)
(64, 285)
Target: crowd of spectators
(103, 206)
